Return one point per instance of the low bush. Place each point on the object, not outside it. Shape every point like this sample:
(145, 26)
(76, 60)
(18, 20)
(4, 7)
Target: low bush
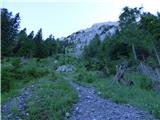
(13, 72)
(146, 83)
(7, 77)
(84, 76)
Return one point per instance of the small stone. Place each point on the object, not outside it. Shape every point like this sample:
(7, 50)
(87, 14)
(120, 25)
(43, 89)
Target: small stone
(18, 118)
(93, 92)
(27, 114)
(55, 61)
(9, 115)
(92, 109)
(89, 97)
(77, 108)
(67, 114)
(99, 93)
(78, 88)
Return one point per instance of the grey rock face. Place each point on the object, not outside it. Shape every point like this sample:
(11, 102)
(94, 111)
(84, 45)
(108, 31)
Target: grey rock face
(83, 37)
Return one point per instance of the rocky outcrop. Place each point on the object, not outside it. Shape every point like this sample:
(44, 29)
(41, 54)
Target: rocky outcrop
(83, 37)
(65, 68)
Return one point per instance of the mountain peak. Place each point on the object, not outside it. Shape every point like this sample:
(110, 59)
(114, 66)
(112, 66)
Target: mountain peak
(82, 37)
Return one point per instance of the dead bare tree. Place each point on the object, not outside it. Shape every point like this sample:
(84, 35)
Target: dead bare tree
(151, 73)
(119, 77)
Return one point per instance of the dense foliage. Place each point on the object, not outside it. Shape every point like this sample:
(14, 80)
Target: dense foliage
(137, 39)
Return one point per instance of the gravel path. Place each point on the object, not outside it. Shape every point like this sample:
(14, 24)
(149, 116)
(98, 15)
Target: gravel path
(15, 108)
(92, 107)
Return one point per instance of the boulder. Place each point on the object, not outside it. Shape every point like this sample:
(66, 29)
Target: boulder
(65, 68)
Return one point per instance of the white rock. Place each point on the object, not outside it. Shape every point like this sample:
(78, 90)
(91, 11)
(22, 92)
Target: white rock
(99, 93)
(82, 38)
(77, 108)
(67, 114)
(65, 68)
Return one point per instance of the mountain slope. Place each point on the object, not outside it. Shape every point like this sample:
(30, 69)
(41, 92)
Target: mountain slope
(83, 37)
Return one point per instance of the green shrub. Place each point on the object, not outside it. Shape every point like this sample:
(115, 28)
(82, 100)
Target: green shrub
(139, 80)
(151, 61)
(34, 72)
(7, 78)
(145, 83)
(14, 72)
(34, 69)
(16, 62)
(111, 65)
(89, 79)
(157, 112)
(83, 76)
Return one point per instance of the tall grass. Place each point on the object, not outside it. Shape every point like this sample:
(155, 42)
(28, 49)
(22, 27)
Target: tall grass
(52, 101)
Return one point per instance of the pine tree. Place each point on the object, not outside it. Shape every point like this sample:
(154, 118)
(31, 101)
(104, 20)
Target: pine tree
(9, 31)
(20, 49)
(39, 46)
(30, 44)
(50, 46)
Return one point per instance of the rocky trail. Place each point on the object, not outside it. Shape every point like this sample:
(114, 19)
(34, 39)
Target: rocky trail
(92, 107)
(89, 107)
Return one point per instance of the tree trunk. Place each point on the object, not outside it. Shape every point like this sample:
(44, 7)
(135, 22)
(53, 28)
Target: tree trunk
(156, 53)
(134, 52)
(119, 77)
(158, 73)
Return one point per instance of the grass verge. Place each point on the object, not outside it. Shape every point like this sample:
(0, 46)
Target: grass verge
(52, 100)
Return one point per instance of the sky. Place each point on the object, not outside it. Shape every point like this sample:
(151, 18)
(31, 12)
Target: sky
(63, 17)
